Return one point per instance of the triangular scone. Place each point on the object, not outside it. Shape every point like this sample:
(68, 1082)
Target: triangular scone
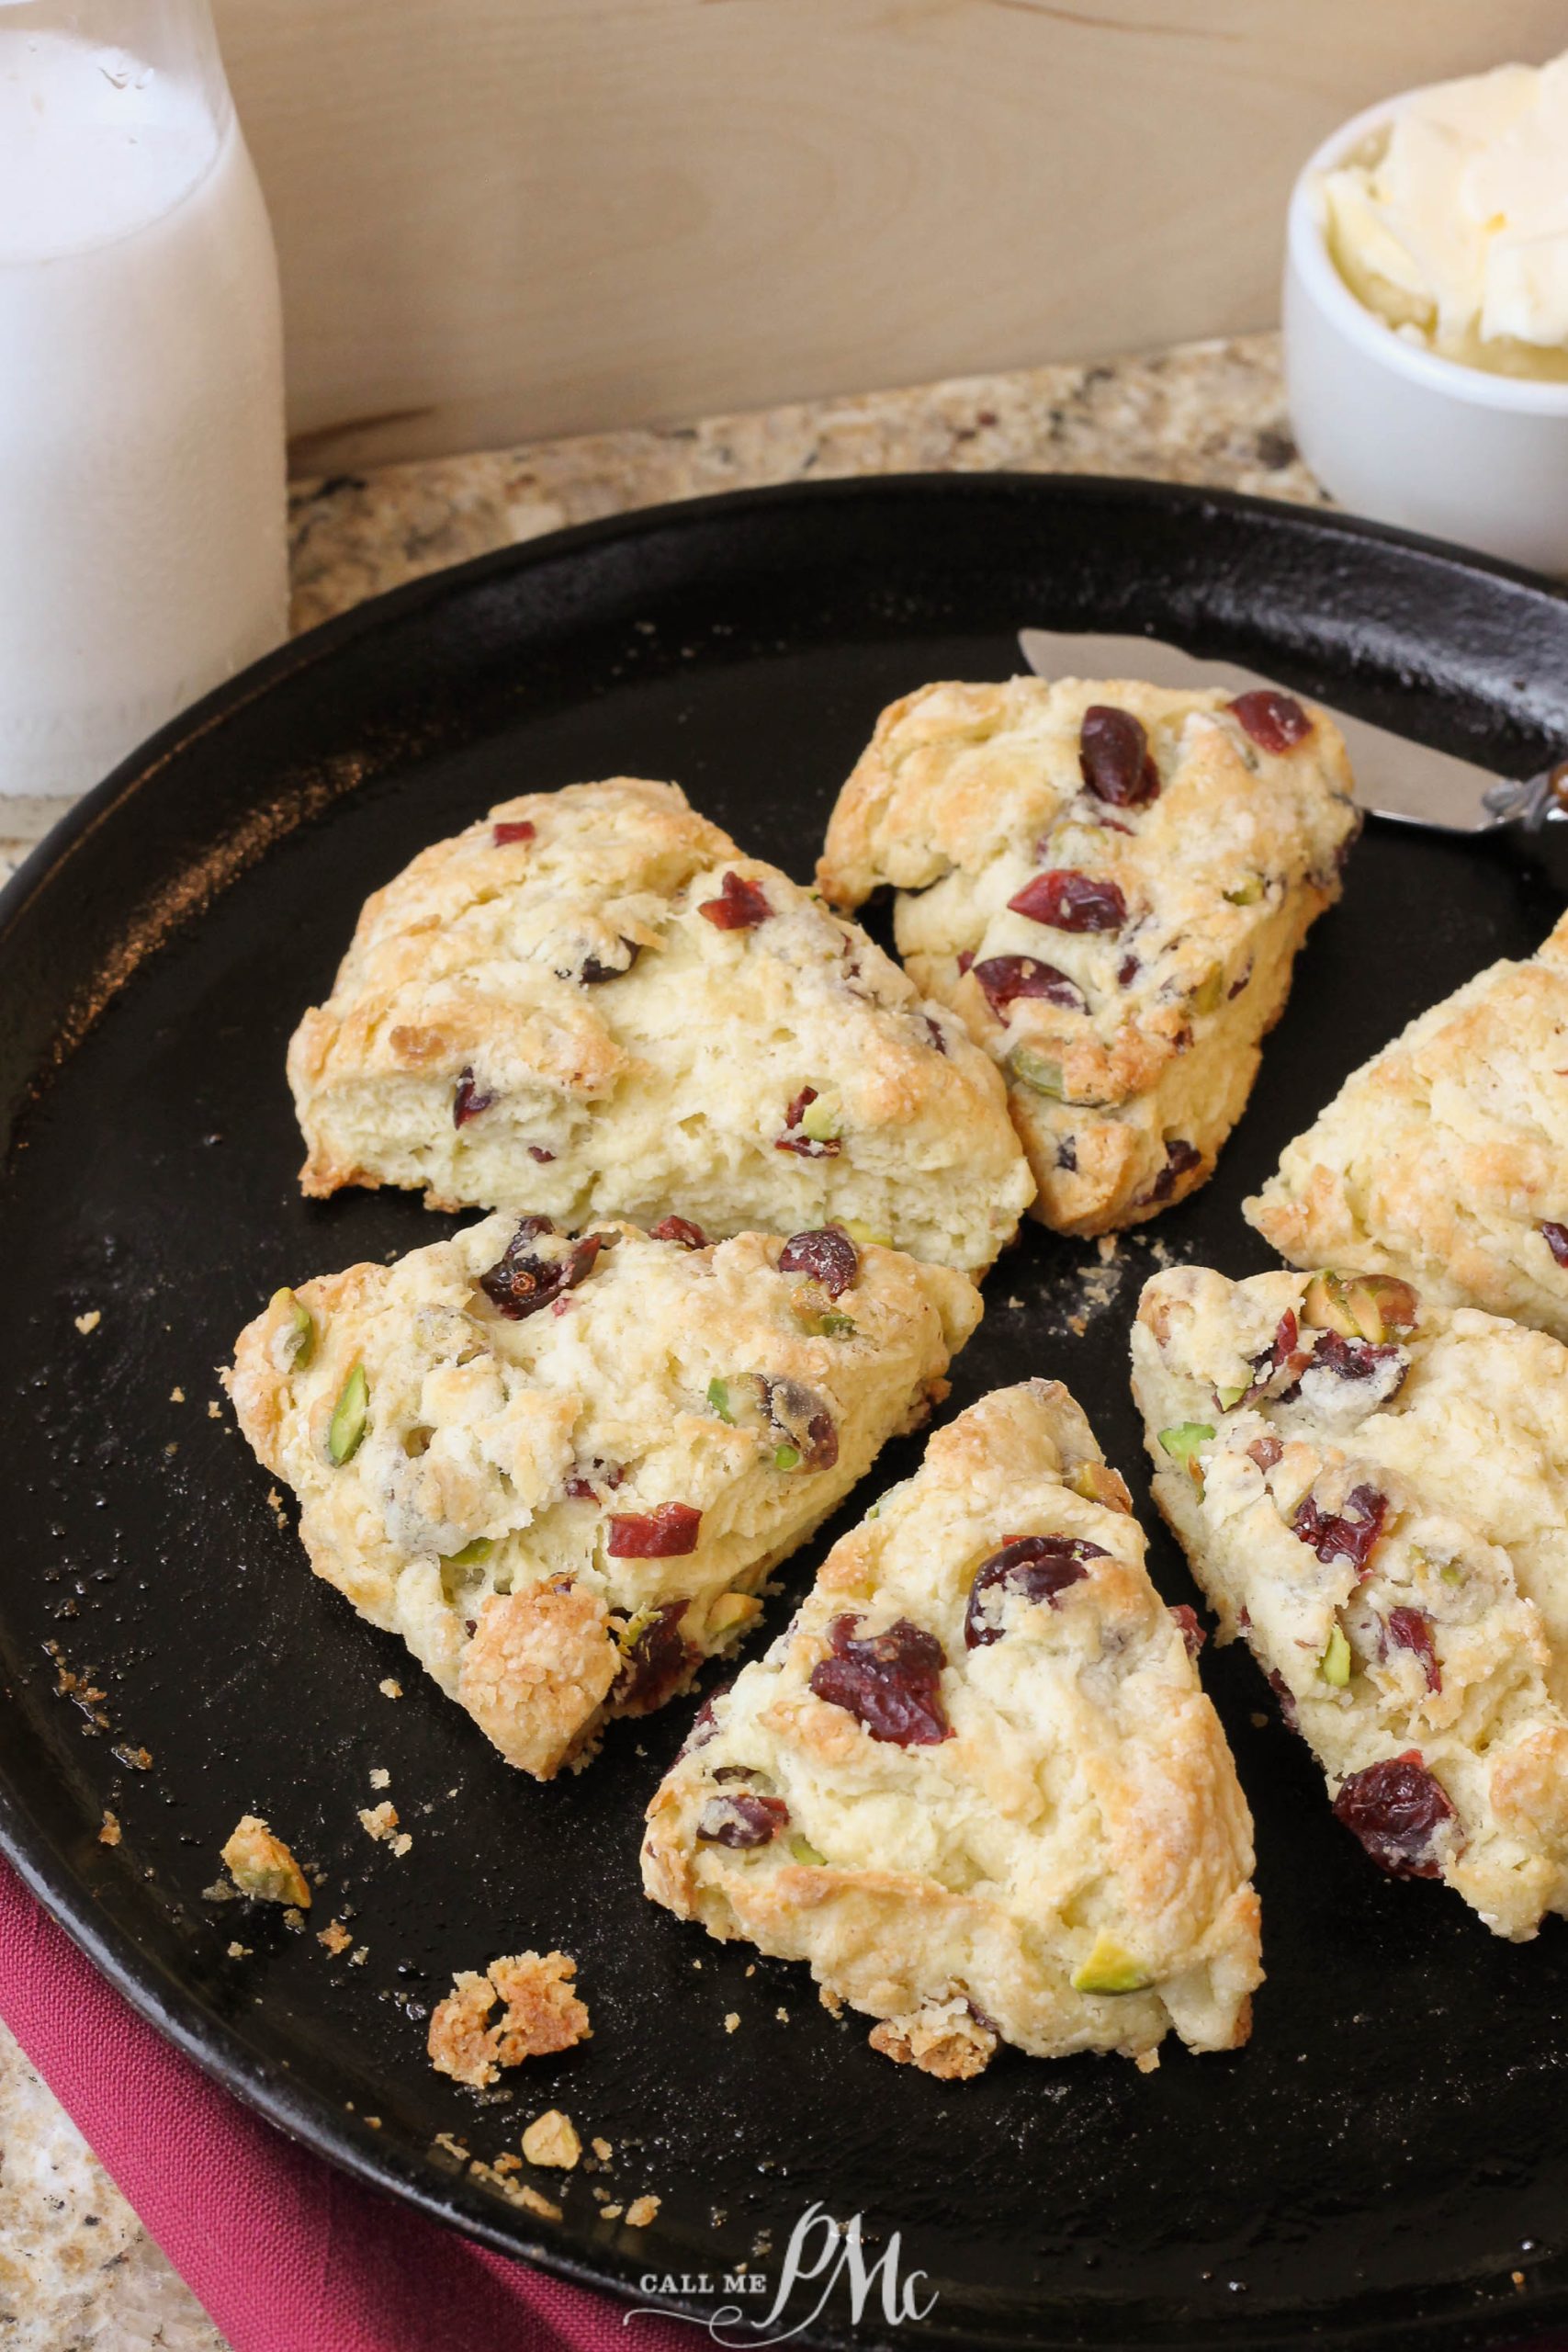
(559, 1468)
(1445, 1159)
(1375, 1492)
(1110, 883)
(977, 1783)
(592, 1004)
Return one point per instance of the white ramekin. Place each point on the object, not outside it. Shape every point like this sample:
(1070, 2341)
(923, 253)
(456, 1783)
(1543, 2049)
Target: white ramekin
(1392, 431)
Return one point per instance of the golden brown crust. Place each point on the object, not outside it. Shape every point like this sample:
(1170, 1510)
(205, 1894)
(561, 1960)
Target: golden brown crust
(1123, 1085)
(1443, 1158)
(554, 1025)
(1083, 1804)
(541, 2014)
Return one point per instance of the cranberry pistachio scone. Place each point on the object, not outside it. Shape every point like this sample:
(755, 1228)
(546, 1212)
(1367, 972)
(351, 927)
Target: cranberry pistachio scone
(592, 1004)
(560, 1468)
(1444, 1159)
(1375, 1492)
(977, 1783)
(1109, 883)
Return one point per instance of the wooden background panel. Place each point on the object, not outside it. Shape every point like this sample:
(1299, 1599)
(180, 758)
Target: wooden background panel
(500, 219)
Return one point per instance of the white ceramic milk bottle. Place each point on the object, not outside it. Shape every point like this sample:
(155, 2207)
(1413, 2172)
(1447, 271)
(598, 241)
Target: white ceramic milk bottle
(141, 459)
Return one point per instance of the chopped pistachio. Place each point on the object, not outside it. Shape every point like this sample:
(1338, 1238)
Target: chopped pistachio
(1109, 1969)
(804, 1851)
(822, 1120)
(1378, 1308)
(1097, 1483)
(786, 1457)
(718, 1400)
(1335, 1664)
(351, 1418)
(731, 1608)
(298, 1333)
(834, 1326)
(471, 1554)
(866, 1235)
(1229, 1398)
(1209, 989)
(1181, 1442)
(1452, 1574)
(1247, 892)
(1035, 1070)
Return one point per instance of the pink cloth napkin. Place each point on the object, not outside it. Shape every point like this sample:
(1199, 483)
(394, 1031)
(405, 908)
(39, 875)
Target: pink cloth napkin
(286, 2253)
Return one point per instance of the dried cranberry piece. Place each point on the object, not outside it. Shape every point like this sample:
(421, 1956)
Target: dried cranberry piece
(1335, 1536)
(1286, 1698)
(828, 1255)
(1127, 971)
(467, 1102)
(741, 1820)
(593, 973)
(1179, 1158)
(1351, 1359)
(1192, 1633)
(586, 1489)
(681, 1229)
(891, 1682)
(513, 829)
(580, 1490)
(537, 1151)
(1395, 1808)
(520, 1282)
(1040, 1566)
(1277, 1373)
(739, 906)
(1266, 1450)
(1114, 757)
(705, 1726)
(1007, 978)
(1069, 900)
(966, 959)
(1411, 1629)
(663, 1534)
(1556, 1239)
(1276, 722)
(656, 1662)
(809, 1146)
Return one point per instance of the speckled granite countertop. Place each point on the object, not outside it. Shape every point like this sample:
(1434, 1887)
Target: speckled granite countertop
(77, 2268)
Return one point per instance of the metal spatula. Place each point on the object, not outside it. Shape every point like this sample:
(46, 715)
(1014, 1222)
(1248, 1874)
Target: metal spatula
(1396, 778)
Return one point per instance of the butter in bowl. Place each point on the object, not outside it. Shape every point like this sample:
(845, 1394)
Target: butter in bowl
(1426, 309)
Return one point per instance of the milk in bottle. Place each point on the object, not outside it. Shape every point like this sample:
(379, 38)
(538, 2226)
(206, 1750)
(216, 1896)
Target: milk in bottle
(141, 457)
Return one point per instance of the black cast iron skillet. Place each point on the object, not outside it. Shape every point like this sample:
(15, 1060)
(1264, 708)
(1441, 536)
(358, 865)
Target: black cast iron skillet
(1393, 2144)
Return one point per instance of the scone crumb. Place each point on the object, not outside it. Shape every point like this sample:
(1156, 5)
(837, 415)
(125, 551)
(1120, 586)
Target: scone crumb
(88, 1322)
(611, 2212)
(379, 1821)
(177, 1395)
(336, 1937)
(640, 2212)
(783, 2015)
(1147, 2062)
(239, 1951)
(537, 2204)
(262, 1866)
(110, 1834)
(389, 1687)
(944, 2038)
(602, 2149)
(732, 2021)
(214, 1410)
(541, 2014)
(402, 1842)
(831, 2000)
(380, 1777)
(294, 1920)
(506, 2162)
(551, 2139)
(359, 1955)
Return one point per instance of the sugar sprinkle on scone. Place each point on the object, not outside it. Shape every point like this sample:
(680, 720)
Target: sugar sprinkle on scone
(1444, 1159)
(1108, 882)
(1375, 1492)
(592, 1004)
(560, 1467)
(977, 1783)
